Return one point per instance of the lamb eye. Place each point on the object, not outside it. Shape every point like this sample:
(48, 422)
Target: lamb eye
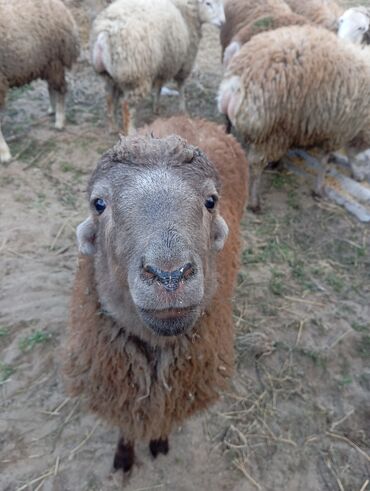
(210, 202)
(100, 205)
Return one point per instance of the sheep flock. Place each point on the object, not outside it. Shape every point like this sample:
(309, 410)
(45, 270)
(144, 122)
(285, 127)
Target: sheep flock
(150, 338)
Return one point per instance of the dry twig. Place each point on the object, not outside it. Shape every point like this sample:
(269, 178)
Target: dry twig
(350, 442)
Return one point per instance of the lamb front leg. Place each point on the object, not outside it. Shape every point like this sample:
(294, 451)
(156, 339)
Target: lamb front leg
(159, 446)
(125, 455)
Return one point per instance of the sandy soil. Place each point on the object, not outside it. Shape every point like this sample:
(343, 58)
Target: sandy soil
(297, 415)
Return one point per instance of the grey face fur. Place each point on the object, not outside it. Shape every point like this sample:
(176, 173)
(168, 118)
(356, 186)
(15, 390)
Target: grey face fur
(156, 238)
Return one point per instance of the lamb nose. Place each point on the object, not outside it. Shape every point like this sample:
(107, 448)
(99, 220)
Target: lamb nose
(169, 279)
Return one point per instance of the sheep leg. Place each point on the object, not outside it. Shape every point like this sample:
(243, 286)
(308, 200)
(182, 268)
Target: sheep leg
(156, 97)
(124, 456)
(110, 113)
(112, 96)
(60, 116)
(128, 118)
(229, 125)
(359, 169)
(255, 180)
(52, 100)
(159, 446)
(5, 155)
(319, 190)
(182, 103)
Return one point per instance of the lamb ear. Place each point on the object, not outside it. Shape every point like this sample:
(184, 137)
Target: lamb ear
(86, 232)
(220, 231)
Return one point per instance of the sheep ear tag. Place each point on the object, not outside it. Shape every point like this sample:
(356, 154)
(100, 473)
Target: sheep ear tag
(85, 233)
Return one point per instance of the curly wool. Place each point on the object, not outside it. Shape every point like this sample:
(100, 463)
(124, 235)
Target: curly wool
(147, 387)
(300, 86)
(242, 13)
(148, 42)
(297, 86)
(322, 12)
(41, 41)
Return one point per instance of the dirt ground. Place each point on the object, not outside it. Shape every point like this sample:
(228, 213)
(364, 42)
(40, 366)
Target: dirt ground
(297, 415)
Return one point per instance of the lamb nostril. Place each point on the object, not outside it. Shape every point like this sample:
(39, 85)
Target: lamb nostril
(150, 273)
(169, 279)
(187, 271)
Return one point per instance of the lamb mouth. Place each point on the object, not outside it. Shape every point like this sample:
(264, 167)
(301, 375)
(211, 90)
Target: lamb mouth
(172, 321)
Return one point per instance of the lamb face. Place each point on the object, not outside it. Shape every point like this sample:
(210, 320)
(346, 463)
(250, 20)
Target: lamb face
(212, 11)
(155, 230)
(353, 25)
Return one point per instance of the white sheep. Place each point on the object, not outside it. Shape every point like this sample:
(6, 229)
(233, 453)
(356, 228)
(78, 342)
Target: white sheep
(354, 25)
(139, 45)
(38, 40)
(298, 86)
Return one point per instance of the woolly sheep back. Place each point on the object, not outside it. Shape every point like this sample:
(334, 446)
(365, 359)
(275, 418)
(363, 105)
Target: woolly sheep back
(139, 45)
(297, 87)
(322, 12)
(41, 42)
(38, 34)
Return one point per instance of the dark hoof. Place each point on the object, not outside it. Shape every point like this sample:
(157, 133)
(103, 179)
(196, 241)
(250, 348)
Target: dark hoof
(256, 209)
(274, 164)
(124, 456)
(317, 196)
(229, 126)
(159, 446)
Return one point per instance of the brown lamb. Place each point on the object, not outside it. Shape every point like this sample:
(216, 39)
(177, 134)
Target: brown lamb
(146, 381)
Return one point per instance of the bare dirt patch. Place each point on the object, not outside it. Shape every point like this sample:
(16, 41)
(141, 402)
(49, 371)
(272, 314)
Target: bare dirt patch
(297, 416)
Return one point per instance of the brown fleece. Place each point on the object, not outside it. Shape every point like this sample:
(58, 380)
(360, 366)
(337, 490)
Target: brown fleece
(41, 41)
(322, 12)
(299, 87)
(268, 23)
(110, 367)
(241, 13)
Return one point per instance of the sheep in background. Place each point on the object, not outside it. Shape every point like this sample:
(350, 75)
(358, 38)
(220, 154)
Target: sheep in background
(139, 46)
(150, 339)
(240, 13)
(354, 25)
(246, 18)
(298, 86)
(41, 42)
(322, 12)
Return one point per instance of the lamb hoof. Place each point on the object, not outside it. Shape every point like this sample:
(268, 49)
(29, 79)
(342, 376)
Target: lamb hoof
(159, 446)
(124, 457)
